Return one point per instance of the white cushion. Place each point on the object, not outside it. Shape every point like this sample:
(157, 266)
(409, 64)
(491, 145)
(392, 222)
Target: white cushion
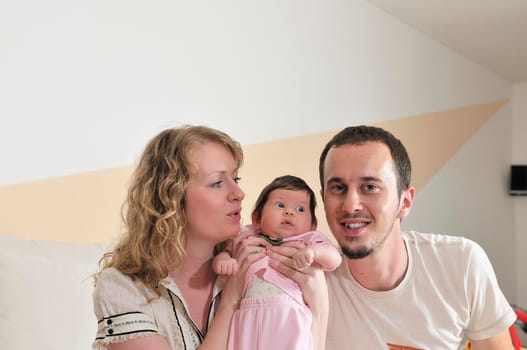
(45, 294)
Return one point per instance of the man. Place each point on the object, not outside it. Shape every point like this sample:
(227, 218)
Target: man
(399, 290)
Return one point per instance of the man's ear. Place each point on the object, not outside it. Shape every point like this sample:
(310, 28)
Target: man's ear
(405, 205)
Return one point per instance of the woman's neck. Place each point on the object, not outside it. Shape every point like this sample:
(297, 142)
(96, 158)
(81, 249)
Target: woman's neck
(194, 271)
(196, 267)
(195, 280)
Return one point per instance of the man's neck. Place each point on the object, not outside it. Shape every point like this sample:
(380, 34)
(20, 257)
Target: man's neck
(385, 268)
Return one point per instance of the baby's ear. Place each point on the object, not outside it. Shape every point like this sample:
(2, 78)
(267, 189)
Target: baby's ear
(314, 224)
(249, 227)
(255, 220)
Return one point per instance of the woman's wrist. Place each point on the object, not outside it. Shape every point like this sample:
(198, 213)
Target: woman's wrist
(227, 305)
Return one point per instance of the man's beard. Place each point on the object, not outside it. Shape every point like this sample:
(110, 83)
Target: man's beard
(364, 251)
(359, 253)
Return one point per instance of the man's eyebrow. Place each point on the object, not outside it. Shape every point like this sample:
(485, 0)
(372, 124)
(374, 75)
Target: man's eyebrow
(334, 180)
(371, 178)
(364, 178)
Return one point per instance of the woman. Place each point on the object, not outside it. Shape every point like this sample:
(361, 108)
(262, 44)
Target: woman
(157, 288)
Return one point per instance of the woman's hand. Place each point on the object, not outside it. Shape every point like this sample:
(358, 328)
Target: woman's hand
(312, 282)
(246, 250)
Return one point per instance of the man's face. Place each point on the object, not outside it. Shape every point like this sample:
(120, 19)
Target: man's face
(361, 200)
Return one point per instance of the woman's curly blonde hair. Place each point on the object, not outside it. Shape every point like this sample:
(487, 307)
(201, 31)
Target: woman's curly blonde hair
(154, 212)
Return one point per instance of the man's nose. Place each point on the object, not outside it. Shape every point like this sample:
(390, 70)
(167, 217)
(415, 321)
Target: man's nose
(352, 202)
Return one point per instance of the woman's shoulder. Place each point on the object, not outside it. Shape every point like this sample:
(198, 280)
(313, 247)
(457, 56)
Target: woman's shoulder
(111, 275)
(112, 282)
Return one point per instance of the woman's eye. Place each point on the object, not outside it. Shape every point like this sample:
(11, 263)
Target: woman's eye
(217, 183)
(300, 209)
(237, 179)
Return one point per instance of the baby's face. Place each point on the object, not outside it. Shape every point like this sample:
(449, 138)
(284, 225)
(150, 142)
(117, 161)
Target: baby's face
(286, 213)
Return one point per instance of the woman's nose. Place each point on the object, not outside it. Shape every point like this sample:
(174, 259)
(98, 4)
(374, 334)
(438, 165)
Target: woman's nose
(237, 193)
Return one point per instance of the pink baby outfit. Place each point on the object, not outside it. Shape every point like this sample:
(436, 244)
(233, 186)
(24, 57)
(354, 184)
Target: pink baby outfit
(272, 314)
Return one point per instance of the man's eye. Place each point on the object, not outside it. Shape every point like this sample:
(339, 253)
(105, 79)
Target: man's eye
(370, 187)
(337, 188)
(300, 209)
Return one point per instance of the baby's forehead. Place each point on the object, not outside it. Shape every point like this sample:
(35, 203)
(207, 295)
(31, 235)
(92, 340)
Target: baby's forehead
(289, 195)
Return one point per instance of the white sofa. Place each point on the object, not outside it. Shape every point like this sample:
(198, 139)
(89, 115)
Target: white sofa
(45, 294)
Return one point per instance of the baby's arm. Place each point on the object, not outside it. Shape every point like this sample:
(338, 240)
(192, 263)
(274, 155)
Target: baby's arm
(224, 264)
(324, 254)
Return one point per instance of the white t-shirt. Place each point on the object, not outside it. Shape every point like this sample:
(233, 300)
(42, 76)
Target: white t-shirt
(127, 309)
(449, 292)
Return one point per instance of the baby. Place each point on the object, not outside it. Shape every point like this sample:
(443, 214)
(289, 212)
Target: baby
(272, 302)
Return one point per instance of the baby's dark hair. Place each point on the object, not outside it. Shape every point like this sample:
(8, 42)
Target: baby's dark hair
(286, 182)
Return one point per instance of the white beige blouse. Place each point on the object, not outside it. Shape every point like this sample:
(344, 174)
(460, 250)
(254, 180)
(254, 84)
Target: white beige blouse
(127, 309)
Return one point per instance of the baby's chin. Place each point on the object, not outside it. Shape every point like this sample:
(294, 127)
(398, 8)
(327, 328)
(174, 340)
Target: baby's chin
(282, 232)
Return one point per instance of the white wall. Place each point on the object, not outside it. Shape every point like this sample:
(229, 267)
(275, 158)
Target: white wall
(469, 197)
(519, 156)
(85, 84)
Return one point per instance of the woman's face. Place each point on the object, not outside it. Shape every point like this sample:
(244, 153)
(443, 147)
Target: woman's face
(213, 196)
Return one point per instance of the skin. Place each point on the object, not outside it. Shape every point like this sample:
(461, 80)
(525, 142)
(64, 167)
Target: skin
(282, 217)
(213, 205)
(285, 214)
(313, 284)
(364, 212)
(215, 187)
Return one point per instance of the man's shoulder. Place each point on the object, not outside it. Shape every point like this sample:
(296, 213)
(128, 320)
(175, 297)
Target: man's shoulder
(430, 245)
(436, 239)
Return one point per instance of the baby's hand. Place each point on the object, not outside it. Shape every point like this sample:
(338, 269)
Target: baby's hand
(225, 267)
(303, 258)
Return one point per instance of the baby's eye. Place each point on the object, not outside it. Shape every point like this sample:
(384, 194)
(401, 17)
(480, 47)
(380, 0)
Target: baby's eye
(300, 209)
(280, 205)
